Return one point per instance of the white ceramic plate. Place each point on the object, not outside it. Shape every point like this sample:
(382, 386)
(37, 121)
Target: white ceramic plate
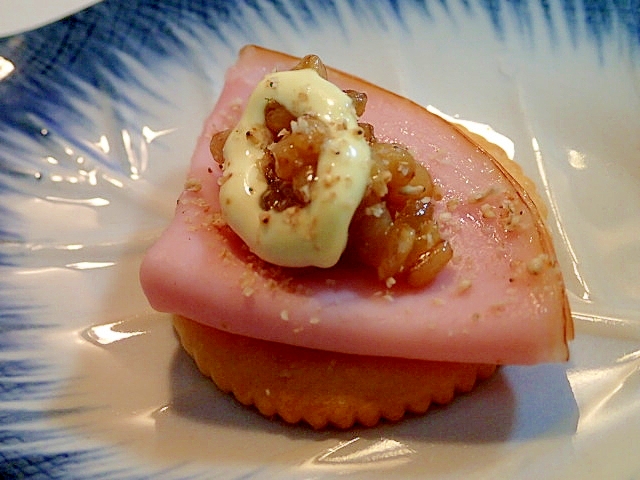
(99, 114)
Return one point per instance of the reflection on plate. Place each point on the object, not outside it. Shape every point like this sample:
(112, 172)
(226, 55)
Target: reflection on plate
(98, 116)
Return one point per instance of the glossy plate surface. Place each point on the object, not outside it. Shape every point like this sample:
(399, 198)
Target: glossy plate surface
(99, 113)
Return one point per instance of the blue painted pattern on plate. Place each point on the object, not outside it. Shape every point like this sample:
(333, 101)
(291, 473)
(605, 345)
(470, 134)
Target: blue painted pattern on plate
(71, 75)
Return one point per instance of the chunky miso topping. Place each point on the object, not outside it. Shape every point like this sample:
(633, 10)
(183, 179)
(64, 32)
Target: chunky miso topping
(300, 154)
(290, 162)
(393, 229)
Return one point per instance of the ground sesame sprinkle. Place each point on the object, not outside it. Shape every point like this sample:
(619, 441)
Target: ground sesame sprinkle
(192, 185)
(487, 211)
(375, 210)
(247, 291)
(481, 195)
(464, 285)
(445, 216)
(537, 264)
(247, 283)
(452, 204)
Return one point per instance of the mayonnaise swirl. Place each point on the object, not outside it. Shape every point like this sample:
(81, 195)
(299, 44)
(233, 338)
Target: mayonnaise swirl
(316, 234)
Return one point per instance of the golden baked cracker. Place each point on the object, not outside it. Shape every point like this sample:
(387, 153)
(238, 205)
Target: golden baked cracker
(321, 387)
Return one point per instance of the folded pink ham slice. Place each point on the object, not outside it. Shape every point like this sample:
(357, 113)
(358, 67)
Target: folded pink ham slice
(501, 299)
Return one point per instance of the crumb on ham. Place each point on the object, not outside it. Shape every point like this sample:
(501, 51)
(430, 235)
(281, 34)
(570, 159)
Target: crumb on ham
(511, 214)
(487, 211)
(216, 220)
(192, 185)
(445, 217)
(480, 195)
(464, 285)
(537, 264)
(247, 283)
(385, 295)
(452, 204)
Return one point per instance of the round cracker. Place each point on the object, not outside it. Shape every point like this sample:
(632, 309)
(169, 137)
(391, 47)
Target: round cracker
(320, 387)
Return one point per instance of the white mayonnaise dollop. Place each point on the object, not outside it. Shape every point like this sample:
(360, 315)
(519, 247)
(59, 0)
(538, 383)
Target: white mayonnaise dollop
(316, 234)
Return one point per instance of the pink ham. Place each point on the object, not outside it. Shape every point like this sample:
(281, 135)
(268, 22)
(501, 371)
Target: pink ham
(500, 300)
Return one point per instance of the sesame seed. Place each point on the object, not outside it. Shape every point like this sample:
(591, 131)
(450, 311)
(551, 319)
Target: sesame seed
(445, 216)
(193, 185)
(247, 291)
(412, 189)
(375, 210)
(536, 265)
(487, 211)
(464, 285)
(452, 204)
